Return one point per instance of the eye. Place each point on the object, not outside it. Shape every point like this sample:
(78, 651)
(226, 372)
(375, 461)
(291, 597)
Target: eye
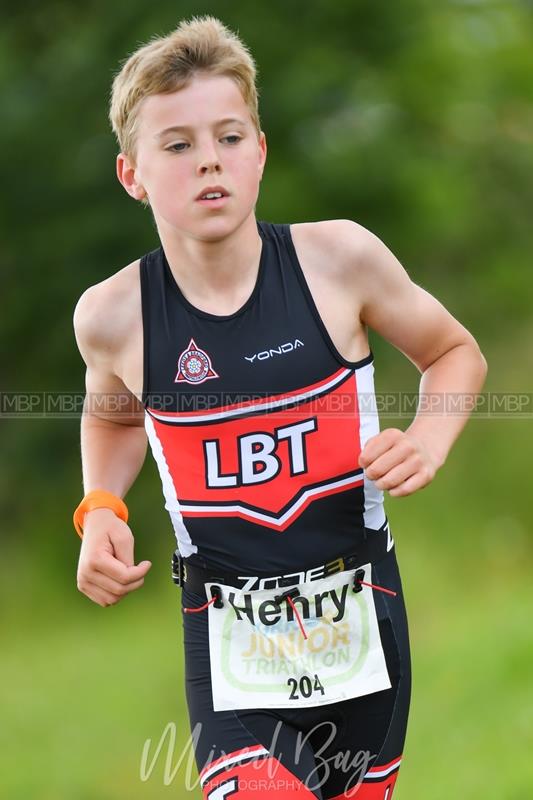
(180, 146)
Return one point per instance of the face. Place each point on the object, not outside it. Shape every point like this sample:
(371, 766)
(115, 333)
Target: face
(174, 166)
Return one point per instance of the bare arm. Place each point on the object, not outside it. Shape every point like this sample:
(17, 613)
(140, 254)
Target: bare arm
(112, 453)
(443, 350)
(113, 449)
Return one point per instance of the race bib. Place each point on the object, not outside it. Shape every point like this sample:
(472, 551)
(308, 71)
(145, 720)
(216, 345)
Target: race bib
(260, 657)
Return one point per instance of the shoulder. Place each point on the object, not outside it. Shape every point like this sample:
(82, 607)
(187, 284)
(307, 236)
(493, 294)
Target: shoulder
(359, 261)
(333, 229)
(104, 314)
(339, 244)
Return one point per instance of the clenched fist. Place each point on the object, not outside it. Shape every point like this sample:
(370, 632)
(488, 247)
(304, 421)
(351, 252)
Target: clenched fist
(397, 461)
(106, 570)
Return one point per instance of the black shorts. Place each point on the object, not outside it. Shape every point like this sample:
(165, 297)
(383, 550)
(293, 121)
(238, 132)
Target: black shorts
(341, 750)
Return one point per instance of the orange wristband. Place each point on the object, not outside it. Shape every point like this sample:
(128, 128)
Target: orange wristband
(98, 498)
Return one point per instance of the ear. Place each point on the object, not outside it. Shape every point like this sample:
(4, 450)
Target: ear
(262, 153)
(126, 173)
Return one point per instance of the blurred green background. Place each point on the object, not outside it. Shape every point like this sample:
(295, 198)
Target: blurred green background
(414, 118)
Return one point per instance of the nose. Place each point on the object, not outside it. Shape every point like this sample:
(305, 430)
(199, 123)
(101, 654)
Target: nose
(209, 160)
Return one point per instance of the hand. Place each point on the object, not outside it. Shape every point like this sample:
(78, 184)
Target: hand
(106, 570)
(398, 462)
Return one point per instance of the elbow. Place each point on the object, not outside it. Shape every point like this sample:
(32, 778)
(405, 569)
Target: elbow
(484, 368)
(481, 361)
(483, 365)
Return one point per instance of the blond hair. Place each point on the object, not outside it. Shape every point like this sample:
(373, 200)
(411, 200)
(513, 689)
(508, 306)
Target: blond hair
(166, 64)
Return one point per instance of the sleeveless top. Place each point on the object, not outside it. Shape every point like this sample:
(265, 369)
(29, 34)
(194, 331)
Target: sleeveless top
(256, 421)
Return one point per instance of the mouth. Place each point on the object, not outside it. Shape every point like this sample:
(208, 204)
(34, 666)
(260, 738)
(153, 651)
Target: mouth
(216, 202)
(213, 196)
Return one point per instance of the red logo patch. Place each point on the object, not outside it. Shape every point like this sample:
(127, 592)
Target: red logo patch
(194, 365)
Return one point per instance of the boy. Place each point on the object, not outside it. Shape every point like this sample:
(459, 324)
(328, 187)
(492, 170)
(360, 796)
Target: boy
(239, 350)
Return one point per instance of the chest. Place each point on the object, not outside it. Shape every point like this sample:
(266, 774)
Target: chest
(337, 309)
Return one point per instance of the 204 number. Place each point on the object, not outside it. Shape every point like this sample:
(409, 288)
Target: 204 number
(306, 686)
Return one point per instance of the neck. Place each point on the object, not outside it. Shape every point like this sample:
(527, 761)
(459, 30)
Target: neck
(218, 272)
